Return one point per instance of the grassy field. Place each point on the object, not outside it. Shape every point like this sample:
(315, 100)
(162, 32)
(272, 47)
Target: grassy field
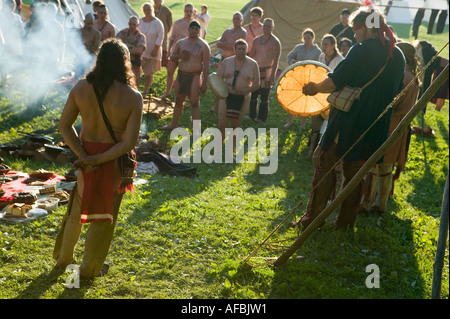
(181, 238)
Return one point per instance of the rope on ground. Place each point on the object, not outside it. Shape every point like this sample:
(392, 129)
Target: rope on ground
(394, 101)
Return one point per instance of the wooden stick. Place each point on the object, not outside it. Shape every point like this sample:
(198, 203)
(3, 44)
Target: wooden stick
(396, 134)
(440, 251)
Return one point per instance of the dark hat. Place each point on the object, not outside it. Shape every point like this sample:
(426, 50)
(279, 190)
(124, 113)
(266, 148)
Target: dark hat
(194, 24)
(346, 11)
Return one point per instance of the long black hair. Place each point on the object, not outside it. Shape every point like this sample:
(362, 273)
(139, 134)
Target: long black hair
(113, 63)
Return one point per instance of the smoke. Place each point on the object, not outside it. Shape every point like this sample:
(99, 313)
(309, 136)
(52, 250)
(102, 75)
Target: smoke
(43, 54)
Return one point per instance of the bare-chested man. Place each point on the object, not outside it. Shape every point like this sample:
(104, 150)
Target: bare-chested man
(192, 55)
(241, 74)
(98, 193)
(91, 38)
(229, 36)
(105, 27)
(227, 40)
(179, 30)
(254, 28)
(135, 41)
(266, 51)
(164, 14)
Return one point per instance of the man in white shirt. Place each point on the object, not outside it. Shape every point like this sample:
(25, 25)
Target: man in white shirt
(153, 29)
(203, 18)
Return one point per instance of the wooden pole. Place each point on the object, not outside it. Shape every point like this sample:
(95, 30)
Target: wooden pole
(396, 134)
(441, 244)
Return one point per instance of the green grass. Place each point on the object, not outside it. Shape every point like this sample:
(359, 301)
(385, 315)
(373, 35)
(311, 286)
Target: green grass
(185, 238)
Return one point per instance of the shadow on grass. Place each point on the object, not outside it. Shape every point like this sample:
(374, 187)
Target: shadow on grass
(166, 188)
(296, 182)
(427, 184)
(46, 280)
(443, 131)
(333, 263)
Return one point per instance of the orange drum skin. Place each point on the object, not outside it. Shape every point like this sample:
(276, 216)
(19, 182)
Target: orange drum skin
(290, 84)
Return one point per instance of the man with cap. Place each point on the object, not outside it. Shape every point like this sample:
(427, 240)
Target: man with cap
(192, 56)
(342, 29)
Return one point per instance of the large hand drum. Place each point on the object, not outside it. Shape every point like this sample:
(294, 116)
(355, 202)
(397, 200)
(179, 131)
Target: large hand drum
(290, 85)
(217, 86)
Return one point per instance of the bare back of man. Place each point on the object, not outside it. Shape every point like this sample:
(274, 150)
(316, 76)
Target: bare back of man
(98, 193)
(120, 102)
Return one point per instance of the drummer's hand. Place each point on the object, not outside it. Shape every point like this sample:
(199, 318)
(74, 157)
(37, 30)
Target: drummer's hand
(203, 87)
(271, 81)
(310, 89)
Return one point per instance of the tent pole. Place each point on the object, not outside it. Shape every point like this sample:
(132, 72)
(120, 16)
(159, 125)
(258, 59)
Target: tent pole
(441, 244)
(402, 126)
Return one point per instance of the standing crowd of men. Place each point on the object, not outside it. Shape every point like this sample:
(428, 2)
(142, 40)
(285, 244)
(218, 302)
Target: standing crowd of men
(248, 66)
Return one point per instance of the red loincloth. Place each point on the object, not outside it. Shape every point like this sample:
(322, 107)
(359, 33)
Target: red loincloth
(98, 192)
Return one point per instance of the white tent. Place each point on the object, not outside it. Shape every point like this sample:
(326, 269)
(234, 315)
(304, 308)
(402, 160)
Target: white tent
(119, 11)
(404, 11)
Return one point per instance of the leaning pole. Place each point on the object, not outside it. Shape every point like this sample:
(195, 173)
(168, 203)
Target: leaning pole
(396, 134)
(441, 244)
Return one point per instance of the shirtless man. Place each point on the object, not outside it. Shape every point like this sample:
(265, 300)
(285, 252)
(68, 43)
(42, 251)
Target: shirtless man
(135, 41)
(164, 14)
(192, 55)
(178, 31)
(96, 197)
(105, 27)
(266, 51)
(241, 74)
(255, 28)
(227, 40)
(229, 36)
(91, 38)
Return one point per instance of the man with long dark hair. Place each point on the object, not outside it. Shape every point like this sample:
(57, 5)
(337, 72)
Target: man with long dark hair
(98, 193)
